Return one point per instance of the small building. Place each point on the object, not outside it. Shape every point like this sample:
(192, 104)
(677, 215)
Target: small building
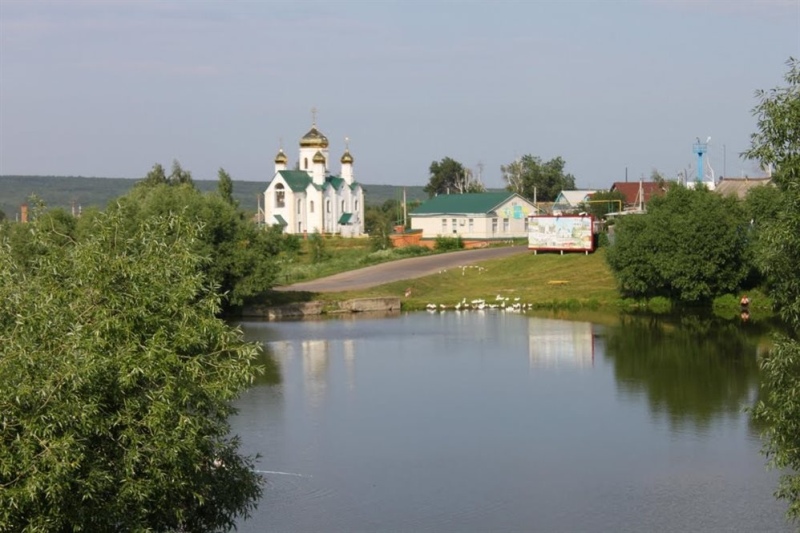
(570, 201)
(310, 199)
(637, 194)
(475, 216)
(739, 187)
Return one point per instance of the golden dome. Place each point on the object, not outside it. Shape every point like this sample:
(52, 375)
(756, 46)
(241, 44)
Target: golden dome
(314, 139)
(347, 157)
(281, 157)
(318, 157)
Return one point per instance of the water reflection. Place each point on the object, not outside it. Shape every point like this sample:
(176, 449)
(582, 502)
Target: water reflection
(558, 343)
(498, 422)
(692, 370)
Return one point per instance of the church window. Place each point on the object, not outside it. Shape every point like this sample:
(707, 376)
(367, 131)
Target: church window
(280, 195)
(327, 206)
(299, 205)
(311, 206)
(342, 211)
(305, 163)
(356, 206)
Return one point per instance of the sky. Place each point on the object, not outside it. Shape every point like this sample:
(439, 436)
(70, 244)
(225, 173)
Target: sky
(615, 88)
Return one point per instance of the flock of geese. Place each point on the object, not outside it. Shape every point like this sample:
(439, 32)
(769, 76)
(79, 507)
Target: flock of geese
(502, 303)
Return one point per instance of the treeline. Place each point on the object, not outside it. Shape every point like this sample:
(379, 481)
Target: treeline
(82, 193)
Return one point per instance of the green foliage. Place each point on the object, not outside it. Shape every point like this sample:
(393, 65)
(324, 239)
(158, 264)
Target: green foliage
(446, 244)
(448, 176)
(604, 202)
(317, 247)
(659, 305)
(689, 246)
(116, 379)
(779, 413)
(529, 176)
(225, 187)
(241, 256)
(380, 221)
(777, 253)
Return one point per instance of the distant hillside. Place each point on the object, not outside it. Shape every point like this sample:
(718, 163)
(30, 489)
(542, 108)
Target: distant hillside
(64, 191)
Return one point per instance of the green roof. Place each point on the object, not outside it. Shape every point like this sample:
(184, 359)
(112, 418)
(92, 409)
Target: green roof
(281, 220)
(474, 203)
(345, 218)
(334, 181)
(297, 180)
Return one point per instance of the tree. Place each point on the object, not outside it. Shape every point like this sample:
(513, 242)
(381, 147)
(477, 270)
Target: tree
(225, 187)
(446, 176)
(604, 202)
(688, 247)
(242, 258)
(530, 177)
(116, 382)
(777, 143)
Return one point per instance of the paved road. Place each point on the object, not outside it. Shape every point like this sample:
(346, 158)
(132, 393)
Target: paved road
(413, 267)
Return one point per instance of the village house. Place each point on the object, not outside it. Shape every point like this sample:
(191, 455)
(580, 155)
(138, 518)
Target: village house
(475, 216)
(637, 194)
(571, 201)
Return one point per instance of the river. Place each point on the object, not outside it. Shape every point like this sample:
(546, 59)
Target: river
(488, 421)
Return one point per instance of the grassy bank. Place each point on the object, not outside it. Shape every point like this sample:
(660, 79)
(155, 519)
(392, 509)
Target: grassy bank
(546, 282)
(541, 281)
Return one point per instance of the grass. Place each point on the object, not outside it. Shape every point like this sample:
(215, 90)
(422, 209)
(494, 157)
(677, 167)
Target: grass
(544, 281)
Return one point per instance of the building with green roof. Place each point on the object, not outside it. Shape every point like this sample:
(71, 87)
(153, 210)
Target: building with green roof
(310, 198)
(474, 216)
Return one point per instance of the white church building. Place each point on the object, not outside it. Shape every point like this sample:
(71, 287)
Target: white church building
(310, 199)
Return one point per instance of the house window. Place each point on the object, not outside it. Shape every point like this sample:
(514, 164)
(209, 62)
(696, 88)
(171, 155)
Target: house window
(527, 222)
(505, 225)
(444, 226)
(494, 225)
(453, 224)
(471, 225)
(280, 195)
(311, 206)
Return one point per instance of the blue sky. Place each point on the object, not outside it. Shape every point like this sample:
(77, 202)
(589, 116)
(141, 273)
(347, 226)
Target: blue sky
(108, 88)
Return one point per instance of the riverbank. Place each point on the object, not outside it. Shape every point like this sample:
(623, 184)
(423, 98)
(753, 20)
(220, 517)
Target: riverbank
(523, 281)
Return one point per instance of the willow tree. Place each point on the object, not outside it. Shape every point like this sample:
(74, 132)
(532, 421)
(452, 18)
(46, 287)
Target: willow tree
(777, 144)
(116, 378)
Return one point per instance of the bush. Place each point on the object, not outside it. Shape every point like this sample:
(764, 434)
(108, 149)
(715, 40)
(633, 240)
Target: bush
(445, 244)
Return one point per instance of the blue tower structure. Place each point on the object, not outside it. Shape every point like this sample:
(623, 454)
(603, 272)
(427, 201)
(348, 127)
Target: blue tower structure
(700, 148)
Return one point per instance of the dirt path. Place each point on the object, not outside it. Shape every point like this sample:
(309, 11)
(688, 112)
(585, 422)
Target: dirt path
(413, 267)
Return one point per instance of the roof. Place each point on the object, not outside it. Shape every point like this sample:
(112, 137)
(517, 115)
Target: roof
(573, 198)
(345, 218)
(314, 139)
(281, 220)
(297, 180)
(472, 203)
(740, 187)
(630, 190)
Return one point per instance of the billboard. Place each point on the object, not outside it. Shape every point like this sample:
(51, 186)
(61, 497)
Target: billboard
(560, 233)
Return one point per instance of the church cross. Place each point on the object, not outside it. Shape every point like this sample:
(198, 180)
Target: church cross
(314, 116)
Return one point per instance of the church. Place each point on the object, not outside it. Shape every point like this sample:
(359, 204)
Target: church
(309, 198)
